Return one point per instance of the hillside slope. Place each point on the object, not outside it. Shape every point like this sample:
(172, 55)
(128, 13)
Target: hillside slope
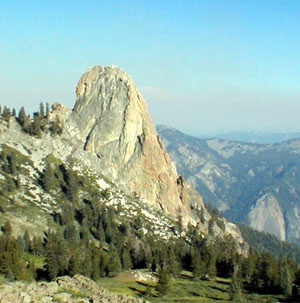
(253, 184)
(109, 144)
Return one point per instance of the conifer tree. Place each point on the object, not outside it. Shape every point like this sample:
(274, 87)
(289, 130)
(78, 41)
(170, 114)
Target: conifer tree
(37, 246)
(211, 265)
(126, 260)
(96, 264)
(163, 284)
(172, 263)
(12, 164)
(27, 242)
(285, 281)
(5, 165)
(6, 113)
(74, 264)
(51, 262)
(35, 128)
(47, 111)
(114, 265)
(235, 290)
(42, 111)
(72, 188)
(47, 177)
(197, 265)
(22, 116)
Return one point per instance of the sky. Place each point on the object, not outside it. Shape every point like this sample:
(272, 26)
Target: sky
(204, 67)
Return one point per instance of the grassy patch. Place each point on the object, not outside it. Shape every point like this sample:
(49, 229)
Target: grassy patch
(39, 262)
(183, 290)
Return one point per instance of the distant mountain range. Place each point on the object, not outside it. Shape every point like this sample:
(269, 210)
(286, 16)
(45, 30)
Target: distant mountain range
(258, 137)
(255, 184)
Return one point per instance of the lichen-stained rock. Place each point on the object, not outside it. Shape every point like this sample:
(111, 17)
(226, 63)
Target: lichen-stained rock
(112, 121)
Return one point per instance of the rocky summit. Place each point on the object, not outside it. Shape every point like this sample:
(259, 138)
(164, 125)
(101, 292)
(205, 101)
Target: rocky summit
(108, 137)
(112, 121)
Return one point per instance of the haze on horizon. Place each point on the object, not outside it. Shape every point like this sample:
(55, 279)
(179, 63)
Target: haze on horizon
(204, 67)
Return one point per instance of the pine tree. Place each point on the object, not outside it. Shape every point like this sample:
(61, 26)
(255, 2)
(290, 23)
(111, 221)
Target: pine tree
(211, 265)
(5, 165)
(72, 188)
(235, 290)
(197, 265)
(163, 284)
(285, 281)
(48, 177)
(126, 260)
(42, 111)
(96, 264)
(35, 128)
(114, 265)
(74, 264)
(37, 246)
(22, 116)
(12, 163)
(6, 114)
(51, 262)
(47, 111)
(172, 263)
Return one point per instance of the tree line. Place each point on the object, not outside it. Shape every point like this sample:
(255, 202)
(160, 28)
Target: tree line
(36, 124)
(93, 240)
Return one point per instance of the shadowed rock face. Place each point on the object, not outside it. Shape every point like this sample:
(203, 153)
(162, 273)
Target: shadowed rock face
(111, 119)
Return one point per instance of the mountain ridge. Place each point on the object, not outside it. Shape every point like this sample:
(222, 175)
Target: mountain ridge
(250, 183)
(109, 132)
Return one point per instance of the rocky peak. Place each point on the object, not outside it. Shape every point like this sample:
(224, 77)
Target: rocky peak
(60, 112)
(112, 121)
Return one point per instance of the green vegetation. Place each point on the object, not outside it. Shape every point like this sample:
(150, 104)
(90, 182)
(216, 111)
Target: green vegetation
(184, 289)
(91, 237)
(264, 242)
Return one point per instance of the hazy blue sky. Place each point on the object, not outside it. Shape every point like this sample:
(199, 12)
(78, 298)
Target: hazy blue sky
(203, 66)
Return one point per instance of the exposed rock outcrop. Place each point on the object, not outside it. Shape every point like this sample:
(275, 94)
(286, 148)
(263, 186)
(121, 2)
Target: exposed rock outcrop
(112, 121)
(78, 289)
(267, 216)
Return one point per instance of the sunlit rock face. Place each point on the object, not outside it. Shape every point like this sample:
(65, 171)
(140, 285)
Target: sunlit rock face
(111, 129)
(267, 216)
(111, 119)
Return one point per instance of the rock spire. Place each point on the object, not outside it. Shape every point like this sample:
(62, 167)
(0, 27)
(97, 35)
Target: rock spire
(112, 121)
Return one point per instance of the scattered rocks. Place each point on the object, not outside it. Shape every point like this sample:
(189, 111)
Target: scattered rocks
(78, 289)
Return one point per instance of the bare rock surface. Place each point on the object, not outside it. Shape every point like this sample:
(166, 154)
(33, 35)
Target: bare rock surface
(78, 289)
(112, 121)
(267, 216)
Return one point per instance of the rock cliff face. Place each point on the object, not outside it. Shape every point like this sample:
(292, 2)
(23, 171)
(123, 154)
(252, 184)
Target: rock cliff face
(107, 137)
(254, 184)
(267, 216)
(112, 121)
